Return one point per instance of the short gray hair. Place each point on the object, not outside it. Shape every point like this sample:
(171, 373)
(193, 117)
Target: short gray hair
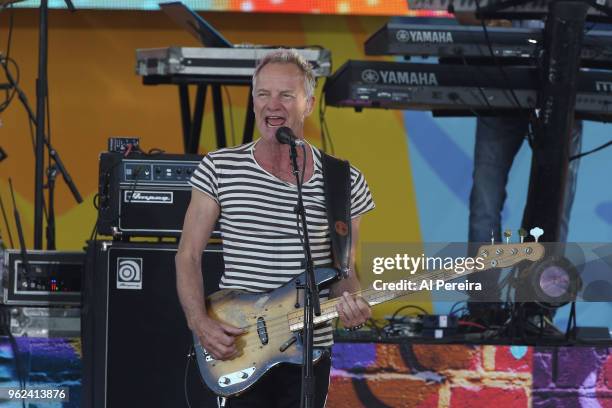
(289, 56)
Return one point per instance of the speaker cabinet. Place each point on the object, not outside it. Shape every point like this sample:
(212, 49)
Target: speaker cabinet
(135, 336)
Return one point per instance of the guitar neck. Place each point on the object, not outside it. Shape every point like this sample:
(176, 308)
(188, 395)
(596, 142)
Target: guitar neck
(494, 256)
(372, 296)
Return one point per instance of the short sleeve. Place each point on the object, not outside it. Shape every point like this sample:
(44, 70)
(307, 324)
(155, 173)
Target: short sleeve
(205, 178)
(361, 198)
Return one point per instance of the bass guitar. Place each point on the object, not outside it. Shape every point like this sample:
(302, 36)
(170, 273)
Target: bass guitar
(273, 320)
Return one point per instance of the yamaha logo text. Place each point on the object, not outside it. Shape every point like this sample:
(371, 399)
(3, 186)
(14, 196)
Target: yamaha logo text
(153, 197)
(399, 77)
(417, 36)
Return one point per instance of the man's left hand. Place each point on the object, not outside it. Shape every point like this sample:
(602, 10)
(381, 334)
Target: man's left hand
(353, 310)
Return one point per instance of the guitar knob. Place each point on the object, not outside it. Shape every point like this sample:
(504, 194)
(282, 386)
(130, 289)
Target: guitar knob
(528, 250)
(484, 253)
(514, 251)
(499, 251)
(244, 375)
(226, 380)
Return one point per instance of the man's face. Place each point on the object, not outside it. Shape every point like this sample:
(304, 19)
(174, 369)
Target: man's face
(279, 99)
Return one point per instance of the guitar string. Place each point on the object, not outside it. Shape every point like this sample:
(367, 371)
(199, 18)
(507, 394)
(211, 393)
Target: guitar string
(253, 344)
(280, 323)
(373, 293)
(252, 339)
(278, 327)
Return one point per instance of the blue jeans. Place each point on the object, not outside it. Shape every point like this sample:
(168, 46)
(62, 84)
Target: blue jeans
(498, 139)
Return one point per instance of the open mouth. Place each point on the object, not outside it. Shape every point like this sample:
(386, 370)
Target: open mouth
(275, 121)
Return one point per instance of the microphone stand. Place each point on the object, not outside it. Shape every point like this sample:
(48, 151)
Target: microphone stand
(39, 120)
(51, 171)
(312, 304)
(51, 176)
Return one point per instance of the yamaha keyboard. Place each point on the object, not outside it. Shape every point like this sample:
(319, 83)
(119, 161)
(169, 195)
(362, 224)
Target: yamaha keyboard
(217, 62)
(528, 10)
(459, 88)
(471, 41)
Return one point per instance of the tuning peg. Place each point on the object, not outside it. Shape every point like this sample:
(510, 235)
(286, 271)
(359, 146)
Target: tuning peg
(522, 234)
(508, 235)
(492, 238)
(536, 233)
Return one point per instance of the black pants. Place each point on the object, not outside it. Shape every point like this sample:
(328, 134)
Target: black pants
(281, 387)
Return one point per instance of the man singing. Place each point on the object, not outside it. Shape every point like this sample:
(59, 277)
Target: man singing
(251, 191)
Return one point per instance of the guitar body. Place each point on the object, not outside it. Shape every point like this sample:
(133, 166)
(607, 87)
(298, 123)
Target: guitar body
(268, 341)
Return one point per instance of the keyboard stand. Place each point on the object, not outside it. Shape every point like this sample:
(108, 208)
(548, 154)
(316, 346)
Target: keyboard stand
(192, 120)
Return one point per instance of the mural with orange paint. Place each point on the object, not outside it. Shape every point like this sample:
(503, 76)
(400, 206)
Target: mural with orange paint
(95, 94)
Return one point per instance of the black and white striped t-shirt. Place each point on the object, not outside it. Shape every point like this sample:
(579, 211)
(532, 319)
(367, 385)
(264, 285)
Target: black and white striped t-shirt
(261, 246)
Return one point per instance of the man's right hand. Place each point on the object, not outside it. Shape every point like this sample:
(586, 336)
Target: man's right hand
(218, 338)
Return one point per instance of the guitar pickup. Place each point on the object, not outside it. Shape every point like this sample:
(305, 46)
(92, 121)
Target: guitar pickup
(287, 344)
(262, 331)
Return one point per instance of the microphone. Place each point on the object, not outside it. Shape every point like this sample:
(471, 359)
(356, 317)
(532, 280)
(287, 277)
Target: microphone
(285, 135)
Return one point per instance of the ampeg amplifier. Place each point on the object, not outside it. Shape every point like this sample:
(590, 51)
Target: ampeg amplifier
(144, 195)
(52, 278)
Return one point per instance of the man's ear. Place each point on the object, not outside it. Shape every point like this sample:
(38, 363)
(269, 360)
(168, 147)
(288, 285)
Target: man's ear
(310, 102)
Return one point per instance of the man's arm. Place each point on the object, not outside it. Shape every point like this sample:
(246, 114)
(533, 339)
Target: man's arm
(216, 337)
(353, 311)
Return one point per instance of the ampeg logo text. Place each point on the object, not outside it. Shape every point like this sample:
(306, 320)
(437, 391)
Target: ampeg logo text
(153, 197)
(399, 77)
(129, 273)
(417, 36)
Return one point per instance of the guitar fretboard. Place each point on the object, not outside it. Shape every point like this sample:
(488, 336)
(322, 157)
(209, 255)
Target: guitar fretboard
(495, 257)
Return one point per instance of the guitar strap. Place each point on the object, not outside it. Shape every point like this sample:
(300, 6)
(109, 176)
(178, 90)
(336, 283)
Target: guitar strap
(337, 188)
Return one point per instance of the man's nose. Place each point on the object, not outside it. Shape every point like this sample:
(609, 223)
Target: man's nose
(274, 102)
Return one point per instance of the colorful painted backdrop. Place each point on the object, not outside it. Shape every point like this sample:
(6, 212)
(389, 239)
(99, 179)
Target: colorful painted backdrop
(457, 376)
(418, 167)
(391, 375)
